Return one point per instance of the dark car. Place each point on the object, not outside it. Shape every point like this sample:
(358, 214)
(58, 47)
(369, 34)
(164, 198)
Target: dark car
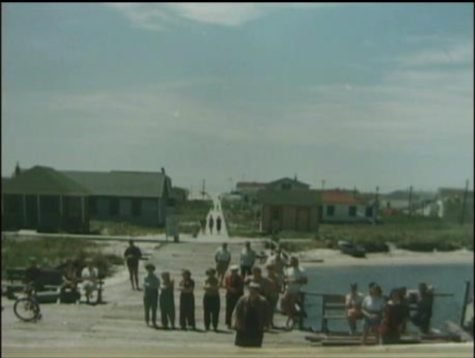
(351, 249)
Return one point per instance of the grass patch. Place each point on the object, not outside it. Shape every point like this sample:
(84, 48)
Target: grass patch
(53, 251)
(123, 229)
(241, 218)
(190, 213)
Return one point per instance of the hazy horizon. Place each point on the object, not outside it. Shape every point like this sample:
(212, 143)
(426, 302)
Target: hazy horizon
(359, 95)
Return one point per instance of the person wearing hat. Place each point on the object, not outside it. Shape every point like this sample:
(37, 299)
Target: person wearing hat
(211, 300)
(187, 301)
(250, 318)
(353, 301)
(151, 285)
(234, 285)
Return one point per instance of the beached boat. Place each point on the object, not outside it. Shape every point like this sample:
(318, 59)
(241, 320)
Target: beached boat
(351, 249)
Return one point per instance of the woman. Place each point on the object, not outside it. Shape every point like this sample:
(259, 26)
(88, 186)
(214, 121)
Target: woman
(372, 309)
(393, 319)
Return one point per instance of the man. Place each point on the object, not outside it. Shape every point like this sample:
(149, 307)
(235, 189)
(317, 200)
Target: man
(425, 301)
(150, 298)
(222, 258)
(295, 278)
(234, 285)
(32, 274)
(247, 259)
(279, 263)
(132, 256)
(353, 301)
(250, 318)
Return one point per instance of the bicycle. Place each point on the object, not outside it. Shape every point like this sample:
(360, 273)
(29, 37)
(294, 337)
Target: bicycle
(26, 307)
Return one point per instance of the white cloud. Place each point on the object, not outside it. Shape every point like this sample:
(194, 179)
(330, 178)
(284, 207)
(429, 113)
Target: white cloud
(153, 16)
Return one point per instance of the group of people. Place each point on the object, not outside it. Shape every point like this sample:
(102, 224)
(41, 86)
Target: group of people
(387, 317)
(249, 314)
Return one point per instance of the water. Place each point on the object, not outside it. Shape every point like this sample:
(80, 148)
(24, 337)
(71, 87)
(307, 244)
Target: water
(445, 278)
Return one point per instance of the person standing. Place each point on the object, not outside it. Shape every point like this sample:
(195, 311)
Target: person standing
(150, 298)
(234, 285)
(274, 291)
(393, 319)
(211, 300)
(211, 224)
(132, 256)
(222, 259)
(372, 308)
(218, 224)
(247, 259)
(167, 300)
(187, 301)
(295, 278)
(250, 318)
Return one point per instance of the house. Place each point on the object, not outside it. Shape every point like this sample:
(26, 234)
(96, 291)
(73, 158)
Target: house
(457, 204)
(287, 184)
(249, 190)
(132, 196)
(347, 206)
(45, 199)
(291, 210)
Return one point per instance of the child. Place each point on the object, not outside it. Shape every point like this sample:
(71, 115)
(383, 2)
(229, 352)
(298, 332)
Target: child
(151, 285)
(167, 302)
(187, 301)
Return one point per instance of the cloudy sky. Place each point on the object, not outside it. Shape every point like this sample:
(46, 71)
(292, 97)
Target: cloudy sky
(356, 95)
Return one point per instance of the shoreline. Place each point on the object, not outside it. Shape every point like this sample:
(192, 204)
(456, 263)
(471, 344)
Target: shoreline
(394, 257)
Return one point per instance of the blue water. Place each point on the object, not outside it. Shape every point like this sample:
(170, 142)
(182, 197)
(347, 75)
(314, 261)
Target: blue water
(445, 278)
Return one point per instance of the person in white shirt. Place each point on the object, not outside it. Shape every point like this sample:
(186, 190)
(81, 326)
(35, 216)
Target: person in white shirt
(372, 308)
(353, 301)
(222, 257)
(247, 260)
(295, 278)
(90, 277)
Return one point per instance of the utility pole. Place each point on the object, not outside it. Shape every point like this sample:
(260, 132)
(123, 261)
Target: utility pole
(203, 190)
(323, 184)
(410, 201)
(464, 203)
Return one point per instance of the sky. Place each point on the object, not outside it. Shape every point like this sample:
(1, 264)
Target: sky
(358, 95)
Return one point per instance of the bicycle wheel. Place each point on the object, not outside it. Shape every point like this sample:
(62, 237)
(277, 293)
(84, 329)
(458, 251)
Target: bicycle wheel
(26, 309)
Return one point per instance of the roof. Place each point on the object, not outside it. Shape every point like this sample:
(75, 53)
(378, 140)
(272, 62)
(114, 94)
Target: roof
(289, 197)
(42, 180)
(287, 179)
(341, 197)
(244, 184)
(121, 183)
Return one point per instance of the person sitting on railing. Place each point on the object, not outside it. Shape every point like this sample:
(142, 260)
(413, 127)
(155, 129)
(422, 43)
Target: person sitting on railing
(353, 301)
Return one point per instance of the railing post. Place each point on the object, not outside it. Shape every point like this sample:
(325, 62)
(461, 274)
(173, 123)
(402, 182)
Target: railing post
(302, 310)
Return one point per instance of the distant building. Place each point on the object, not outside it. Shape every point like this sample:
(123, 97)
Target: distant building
(287, 184)
(179, 195)
(290, 210)
(249, 190)
(347, 206)
(45, 199)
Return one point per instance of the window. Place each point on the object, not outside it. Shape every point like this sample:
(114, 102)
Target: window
(114, 206)
(352, 211)
(330, 210)
(136, 207)
(369, 212)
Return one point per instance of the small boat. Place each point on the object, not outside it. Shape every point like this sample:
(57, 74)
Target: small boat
(351, 249)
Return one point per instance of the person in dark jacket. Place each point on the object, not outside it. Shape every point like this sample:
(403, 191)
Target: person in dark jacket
(132, 256)
(187, 301)
(211, 300)
(167, 301)
(234, 285)
(250, 318)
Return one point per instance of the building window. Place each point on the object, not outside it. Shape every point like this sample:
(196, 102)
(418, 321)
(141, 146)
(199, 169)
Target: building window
(352, 211)
(114, 206)
(136, 207)
(330, 210)
(369, 212)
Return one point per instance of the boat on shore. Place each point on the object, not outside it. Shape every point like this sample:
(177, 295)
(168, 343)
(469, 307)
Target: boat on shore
(348, 248)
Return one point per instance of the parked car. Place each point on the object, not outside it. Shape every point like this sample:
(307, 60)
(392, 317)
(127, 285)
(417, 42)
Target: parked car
(351, 249)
